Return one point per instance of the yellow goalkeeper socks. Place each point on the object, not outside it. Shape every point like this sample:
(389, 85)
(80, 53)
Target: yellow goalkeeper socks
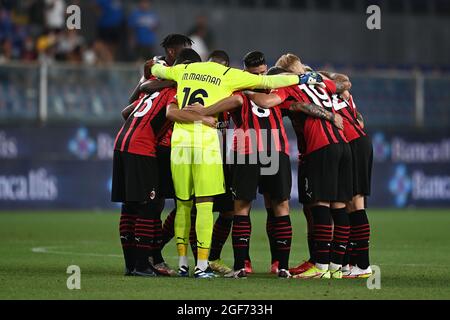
(182, 228)
(204, 228)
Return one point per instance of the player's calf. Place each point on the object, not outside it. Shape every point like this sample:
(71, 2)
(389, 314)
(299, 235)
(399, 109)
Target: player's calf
(146, 233)
(126, 230)
(240, 237)
(282, 233)
(340, 240)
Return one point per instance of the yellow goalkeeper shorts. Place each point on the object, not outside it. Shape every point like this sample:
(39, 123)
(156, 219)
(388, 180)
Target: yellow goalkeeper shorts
(196, 172)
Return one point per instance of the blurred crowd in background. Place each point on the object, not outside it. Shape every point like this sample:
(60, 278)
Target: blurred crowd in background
(403, 70)
(130, 31)
(33, 30)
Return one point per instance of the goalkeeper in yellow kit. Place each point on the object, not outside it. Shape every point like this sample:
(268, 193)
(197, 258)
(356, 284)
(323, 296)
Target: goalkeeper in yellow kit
(196, 160)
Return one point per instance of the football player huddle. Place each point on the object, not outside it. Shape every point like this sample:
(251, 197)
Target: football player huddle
(174, 145)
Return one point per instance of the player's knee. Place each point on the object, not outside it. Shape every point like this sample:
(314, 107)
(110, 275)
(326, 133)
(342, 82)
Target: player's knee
(349, 206)
(337, 205)
(358, 202)
(280, 208)
(320, 203)
(242, 207)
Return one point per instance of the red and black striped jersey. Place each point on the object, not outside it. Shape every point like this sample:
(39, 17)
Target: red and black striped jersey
(147, 125)
(347, 109)
(165, 139)
(258, 129)
(317, 133)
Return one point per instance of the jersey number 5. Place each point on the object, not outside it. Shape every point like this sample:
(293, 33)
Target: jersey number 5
(196, 97)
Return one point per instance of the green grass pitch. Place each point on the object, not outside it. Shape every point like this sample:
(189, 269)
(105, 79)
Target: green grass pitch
(410, 246)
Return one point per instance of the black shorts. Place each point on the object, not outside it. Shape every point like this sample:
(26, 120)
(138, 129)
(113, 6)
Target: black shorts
(273, 179)
(135, 178)
(224, 202)
(166, 189)
(326, 175)
(362, 155)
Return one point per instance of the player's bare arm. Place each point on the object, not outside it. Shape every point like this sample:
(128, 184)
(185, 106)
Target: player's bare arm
(316, 111)
(264, 100)
(174, 114)
(341, 81)
(127, 111)
(223, 105)
(154, 85)
(335, 76)
(150, 86)
(135, 94)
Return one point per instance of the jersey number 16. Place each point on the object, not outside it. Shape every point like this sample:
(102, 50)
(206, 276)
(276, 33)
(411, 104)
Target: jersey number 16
(196, 97)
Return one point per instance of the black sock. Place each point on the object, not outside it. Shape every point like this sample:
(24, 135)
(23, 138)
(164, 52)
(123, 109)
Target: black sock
(168, 230)
(221, 231)
(340, 235)
(322, 233)
(247, 257)
(359, 238)
(144, 234)
(127, 223)
(241, 231)
(282, 233)
(347, 254)
(269, 231)
(157, 245)
(310, 228)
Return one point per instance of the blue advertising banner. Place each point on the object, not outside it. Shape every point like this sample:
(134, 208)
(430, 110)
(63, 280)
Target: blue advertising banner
(56, 167)
(70, 167)
(411, 170)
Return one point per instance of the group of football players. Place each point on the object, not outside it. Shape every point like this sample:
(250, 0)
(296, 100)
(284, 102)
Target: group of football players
(173, 145)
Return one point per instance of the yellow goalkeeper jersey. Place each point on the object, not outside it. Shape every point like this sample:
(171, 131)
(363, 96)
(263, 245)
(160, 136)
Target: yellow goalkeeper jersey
(207, 83)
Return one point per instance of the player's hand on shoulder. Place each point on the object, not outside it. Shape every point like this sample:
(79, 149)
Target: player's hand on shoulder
(149, 64)
(148, 68)
(311, 78)
(160, 60)
(196, 107)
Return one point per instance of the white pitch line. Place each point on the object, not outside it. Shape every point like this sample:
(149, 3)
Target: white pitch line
(53, 250)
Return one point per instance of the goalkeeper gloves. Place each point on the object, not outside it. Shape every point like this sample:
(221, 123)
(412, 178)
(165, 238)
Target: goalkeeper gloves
(311, 78)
